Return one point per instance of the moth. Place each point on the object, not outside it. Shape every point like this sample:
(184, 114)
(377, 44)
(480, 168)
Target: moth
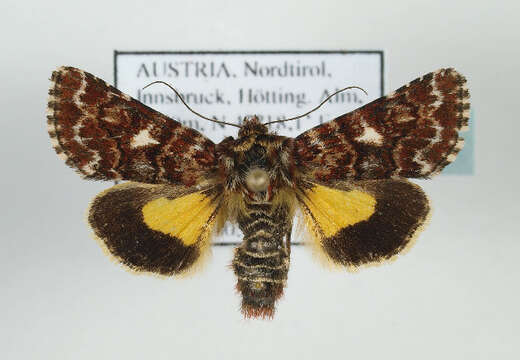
(346, 177)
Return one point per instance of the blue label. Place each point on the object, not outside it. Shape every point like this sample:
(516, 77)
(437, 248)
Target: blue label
(465, 162)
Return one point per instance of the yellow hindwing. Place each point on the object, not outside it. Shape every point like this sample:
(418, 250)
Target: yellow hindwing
(186, 218)
(334, 209)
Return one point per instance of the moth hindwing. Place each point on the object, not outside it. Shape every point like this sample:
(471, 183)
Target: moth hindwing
(347, 177)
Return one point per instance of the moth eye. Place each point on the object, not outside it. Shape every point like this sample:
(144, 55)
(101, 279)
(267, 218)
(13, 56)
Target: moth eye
(257, 180)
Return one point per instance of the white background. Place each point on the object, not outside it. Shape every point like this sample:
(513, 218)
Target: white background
(454, 295)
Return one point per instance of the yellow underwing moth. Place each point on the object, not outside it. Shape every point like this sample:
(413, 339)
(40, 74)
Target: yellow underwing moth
(347, 178)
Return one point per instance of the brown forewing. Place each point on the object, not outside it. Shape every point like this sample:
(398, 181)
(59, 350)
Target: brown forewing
(106, 135)
(412, 132)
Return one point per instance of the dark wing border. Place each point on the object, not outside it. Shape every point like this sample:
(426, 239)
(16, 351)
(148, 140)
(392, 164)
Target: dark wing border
(402, 209)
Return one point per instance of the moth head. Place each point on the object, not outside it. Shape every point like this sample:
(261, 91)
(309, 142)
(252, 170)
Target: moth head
(257, 180)
(252, 126)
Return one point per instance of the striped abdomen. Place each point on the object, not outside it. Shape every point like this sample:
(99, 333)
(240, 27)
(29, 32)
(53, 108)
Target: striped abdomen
(261, 262)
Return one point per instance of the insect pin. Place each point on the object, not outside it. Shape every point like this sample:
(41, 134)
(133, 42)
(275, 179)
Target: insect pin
(346, 177)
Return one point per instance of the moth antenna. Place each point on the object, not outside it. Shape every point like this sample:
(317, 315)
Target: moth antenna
(188, 107)
(320, 105)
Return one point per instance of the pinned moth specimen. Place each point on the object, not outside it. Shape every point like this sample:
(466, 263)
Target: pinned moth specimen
(346, 177)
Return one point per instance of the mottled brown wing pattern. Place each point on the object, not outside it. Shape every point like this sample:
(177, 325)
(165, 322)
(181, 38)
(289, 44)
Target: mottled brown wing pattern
(106, 135)
(412, 132)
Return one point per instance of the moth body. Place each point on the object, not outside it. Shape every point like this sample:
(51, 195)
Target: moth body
(260, 183)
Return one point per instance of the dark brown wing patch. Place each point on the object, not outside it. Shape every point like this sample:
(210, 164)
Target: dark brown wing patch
(412, 132)
(117, 218)
(401, 208)
(106, 135)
